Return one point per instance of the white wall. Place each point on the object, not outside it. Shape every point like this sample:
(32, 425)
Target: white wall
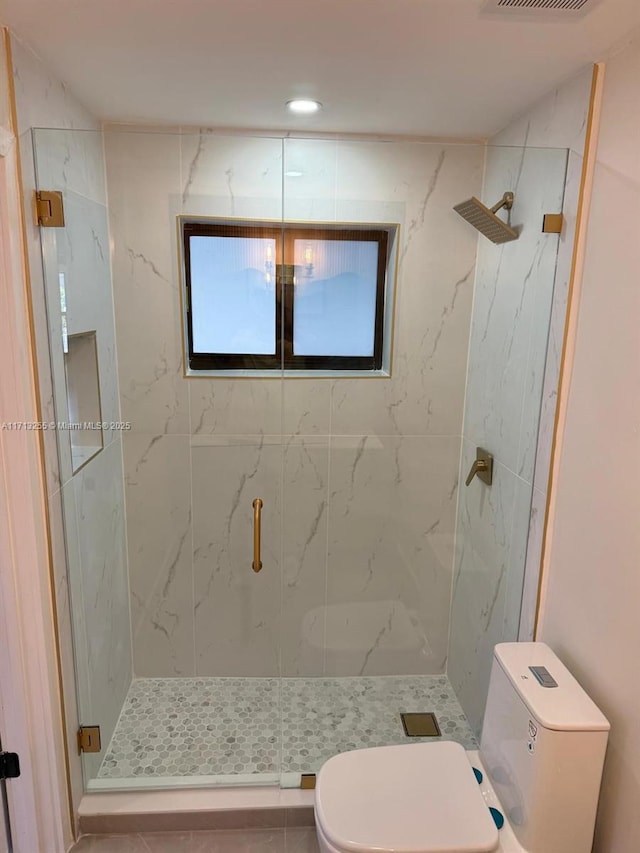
(590, 610)
(86, 509)
(516, 335)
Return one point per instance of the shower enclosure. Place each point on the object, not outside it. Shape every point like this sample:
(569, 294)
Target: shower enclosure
(384, 583)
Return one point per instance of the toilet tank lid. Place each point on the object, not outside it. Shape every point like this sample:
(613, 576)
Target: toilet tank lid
(414, 798)
(563, 708)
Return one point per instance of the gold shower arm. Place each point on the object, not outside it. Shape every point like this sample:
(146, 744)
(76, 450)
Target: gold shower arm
(257, 520)
(506, 201)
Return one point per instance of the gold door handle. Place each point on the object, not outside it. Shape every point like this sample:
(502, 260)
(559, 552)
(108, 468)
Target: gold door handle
(257, 520)
(482, 467)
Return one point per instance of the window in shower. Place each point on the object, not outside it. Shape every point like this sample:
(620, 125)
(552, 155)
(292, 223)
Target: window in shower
(302, 297)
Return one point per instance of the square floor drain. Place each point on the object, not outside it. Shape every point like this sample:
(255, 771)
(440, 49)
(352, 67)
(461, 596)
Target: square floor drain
(420, 725)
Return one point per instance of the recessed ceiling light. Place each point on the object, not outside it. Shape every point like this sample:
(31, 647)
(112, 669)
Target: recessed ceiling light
(293, 173)
(304, 106)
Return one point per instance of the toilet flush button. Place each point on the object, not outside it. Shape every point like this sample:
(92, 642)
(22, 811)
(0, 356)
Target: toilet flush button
(543, 676)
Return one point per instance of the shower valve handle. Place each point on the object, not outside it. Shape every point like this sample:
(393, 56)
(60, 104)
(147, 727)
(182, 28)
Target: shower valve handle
(482, 467)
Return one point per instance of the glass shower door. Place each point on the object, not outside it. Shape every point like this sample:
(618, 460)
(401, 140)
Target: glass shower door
(371, 460)
(83, 442)
(397, 578)
(176, 637)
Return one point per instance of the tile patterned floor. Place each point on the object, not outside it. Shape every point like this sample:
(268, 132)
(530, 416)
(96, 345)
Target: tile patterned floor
(299, 840)
(227, 726)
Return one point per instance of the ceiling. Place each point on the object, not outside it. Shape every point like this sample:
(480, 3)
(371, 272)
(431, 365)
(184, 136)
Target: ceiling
(408, 67)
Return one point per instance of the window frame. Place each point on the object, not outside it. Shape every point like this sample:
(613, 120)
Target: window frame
(284, 235)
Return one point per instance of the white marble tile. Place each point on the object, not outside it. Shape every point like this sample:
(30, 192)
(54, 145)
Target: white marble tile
(79, 254)
(231, 176)
(235, 406)
(484, 524)
(534, 373)
(58, 533)
(40, 320)
(237, 611)
(425, 393)
(82, 257)
(71, 160)
(143, 171)
(306, 406)
(42, 99)
(433, 290)
(76, 585)
(60, 572)
(532, 567)
(99, 509)
(557, 120)
(158, 499)
(557, 324)
(514, 286)
(518, 548)
(304, 568)
(402, 171)
(42, 251)
(311, 195)
(390, 554)
(55, 383)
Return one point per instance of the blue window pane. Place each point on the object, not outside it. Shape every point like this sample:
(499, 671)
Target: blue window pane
(334, 307)
(233, 305)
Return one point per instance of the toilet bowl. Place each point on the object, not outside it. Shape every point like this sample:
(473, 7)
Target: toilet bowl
(540, 763)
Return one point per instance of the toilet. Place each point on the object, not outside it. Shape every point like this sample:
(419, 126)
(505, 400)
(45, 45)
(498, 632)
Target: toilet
(532, 787)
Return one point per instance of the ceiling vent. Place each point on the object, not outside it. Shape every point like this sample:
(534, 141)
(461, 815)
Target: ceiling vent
(539, 9)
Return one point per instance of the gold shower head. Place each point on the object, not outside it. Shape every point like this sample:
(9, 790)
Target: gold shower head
(485, 219)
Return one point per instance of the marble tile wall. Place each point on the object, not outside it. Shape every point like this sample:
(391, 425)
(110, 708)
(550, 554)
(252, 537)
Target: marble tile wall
(86, 509)
(558, 120)
(42, 99)
(514, 363)
(359, 476)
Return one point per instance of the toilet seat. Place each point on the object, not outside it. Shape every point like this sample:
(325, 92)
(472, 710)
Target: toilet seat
(419, 798)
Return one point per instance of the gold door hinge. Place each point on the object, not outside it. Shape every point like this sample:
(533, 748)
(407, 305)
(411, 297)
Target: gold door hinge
(89, 739)
(308, 781)
(49, 209)
(552, 223)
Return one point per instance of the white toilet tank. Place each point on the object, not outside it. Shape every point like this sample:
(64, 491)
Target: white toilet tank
(543, 748)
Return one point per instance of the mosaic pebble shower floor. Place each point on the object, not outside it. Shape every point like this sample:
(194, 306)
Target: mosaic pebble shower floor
(228, 726)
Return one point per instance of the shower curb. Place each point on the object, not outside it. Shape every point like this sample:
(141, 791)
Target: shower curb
(225, 808)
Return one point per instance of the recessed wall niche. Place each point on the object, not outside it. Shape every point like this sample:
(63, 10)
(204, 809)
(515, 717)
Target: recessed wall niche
(83, 398)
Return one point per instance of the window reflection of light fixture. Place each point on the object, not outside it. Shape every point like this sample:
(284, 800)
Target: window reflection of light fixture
(63, 312)
(268, 263)
(308, 260)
